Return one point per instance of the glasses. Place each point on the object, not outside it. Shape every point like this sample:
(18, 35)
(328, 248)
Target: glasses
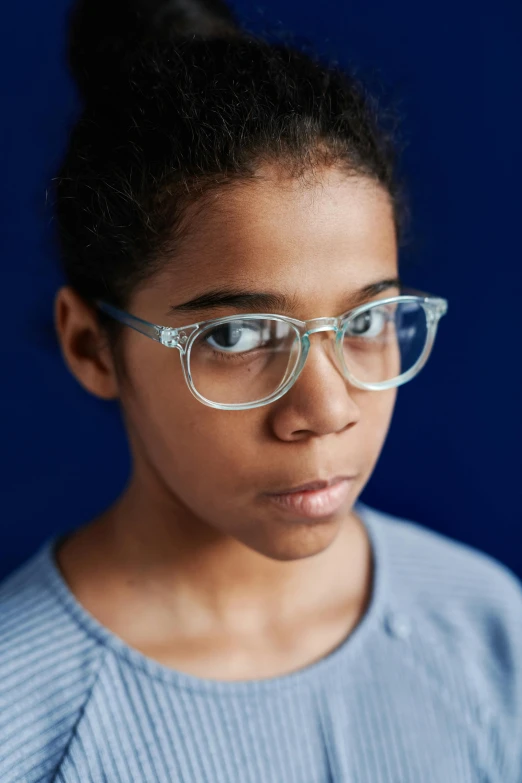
(245, 361)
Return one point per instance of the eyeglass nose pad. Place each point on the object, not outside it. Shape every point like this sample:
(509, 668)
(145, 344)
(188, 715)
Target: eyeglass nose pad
(303, 345)
(335, 346)
(339, 351)
(332, 346)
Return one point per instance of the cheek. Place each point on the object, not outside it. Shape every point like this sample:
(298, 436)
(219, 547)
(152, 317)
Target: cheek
(194, 447)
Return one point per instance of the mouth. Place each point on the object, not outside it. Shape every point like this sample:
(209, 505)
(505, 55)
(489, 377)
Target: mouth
(312, 486)
(315, 499)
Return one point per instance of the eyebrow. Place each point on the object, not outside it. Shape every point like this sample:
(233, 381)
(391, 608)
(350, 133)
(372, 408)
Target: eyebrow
(268, 301)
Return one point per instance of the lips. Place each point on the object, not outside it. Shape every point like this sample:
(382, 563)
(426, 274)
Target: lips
(315, 499)
(312, 486)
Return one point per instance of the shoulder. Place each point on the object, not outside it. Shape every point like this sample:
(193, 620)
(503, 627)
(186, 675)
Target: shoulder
(47, 669)
(445, 572)
(465, 607)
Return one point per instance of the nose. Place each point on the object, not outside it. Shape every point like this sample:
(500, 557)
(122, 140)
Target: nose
(320, 402)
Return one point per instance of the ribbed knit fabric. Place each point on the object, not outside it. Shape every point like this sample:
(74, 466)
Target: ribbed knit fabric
(426, 689)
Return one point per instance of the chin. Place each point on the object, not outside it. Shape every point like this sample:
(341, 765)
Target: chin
(296, 541)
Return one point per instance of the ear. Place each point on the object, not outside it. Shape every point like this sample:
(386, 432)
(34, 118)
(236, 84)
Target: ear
(84, 345)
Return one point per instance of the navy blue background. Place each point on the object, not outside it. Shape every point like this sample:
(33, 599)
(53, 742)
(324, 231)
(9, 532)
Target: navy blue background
(452, 460)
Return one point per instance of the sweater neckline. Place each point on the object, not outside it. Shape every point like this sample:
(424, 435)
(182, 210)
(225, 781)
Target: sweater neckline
(345, 652)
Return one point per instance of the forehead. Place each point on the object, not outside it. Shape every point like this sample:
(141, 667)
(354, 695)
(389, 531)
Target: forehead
(277, 233)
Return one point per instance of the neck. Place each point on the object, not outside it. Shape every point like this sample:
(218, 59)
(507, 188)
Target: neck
(152, 553)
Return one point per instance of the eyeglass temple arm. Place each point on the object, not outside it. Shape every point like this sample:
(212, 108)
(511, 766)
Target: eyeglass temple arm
(439, 303)
(145, 327)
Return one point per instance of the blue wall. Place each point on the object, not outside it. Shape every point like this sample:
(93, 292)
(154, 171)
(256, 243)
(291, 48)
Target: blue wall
(452, 459)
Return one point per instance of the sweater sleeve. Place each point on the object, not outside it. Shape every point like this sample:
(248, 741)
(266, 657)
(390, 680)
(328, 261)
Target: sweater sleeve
(496, 668)
(469, 606)
(47, 671)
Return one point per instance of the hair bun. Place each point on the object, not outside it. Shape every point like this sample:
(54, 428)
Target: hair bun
(106, 35)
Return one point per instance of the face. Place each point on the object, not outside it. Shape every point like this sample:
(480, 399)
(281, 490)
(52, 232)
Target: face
(316, 247)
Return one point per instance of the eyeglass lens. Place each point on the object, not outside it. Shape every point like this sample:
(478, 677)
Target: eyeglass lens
(249, 359)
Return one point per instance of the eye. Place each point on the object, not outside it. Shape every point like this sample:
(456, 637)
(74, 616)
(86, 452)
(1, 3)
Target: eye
(238, 336)
(370, 323)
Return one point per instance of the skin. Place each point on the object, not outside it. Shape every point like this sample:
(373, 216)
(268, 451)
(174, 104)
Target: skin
(192, 565)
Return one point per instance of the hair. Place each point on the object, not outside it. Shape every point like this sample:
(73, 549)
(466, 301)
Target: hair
(178, 101)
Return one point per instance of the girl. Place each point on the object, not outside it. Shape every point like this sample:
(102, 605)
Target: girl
(229, 220)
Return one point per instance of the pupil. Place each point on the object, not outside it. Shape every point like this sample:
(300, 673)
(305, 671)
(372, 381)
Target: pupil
(361, 323)
(227, 335)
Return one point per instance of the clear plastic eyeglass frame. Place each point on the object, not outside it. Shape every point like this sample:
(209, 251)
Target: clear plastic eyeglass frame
(183, 338)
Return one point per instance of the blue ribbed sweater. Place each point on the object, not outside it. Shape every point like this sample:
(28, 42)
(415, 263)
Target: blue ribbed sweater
(426, 689)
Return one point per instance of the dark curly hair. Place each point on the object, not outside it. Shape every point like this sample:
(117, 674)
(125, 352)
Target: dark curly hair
(179, 100)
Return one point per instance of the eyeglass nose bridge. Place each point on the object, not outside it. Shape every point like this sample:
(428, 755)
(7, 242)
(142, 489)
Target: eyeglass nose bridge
(321, 325)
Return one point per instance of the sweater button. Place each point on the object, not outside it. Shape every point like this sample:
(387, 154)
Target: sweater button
(398, 625)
